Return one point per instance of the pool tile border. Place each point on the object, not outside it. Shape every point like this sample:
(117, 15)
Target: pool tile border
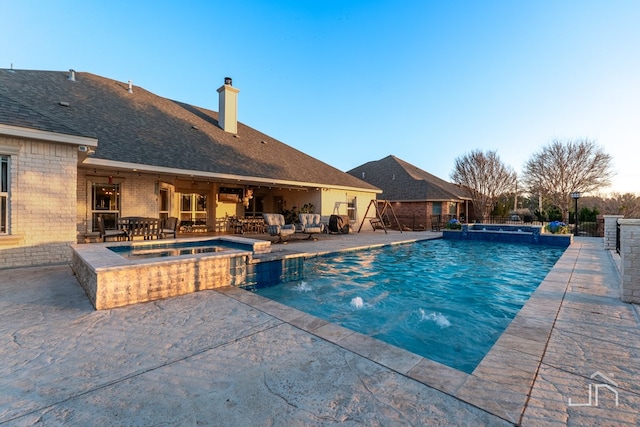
(502, 382)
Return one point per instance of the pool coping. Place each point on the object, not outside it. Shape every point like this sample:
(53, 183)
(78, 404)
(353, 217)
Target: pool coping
(503, 380)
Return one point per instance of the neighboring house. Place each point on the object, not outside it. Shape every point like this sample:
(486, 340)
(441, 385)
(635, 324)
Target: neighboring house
(419, 199)
(75, 146)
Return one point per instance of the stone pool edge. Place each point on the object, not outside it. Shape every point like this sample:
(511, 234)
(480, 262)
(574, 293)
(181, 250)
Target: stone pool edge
(502, 382)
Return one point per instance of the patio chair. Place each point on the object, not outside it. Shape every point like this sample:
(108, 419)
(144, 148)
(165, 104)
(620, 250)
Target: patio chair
(105, 234)
(169, 227)
(311, 224)
(276, 226)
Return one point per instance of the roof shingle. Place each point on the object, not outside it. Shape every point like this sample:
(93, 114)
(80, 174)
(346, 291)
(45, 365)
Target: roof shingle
(147, 129)
(402, 181)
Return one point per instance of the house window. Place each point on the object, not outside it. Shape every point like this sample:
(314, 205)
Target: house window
(437, 208)
(193, 209)
(4, 195)
(105, 202)
(351, 209)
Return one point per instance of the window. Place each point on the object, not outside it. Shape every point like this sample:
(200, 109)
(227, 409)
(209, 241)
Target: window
(351, 209)
(4, 194)
(437, 208)
(105, 202)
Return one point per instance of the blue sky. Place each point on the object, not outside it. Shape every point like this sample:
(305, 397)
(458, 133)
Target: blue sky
(353, 81)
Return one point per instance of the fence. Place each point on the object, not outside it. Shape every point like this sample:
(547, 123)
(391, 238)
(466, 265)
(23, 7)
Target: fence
(438, 222)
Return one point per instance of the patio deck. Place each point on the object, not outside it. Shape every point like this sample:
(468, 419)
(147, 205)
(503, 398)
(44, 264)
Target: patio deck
(230, 357)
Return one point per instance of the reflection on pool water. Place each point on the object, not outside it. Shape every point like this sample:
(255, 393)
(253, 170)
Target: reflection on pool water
(445, 300)
(158, 250)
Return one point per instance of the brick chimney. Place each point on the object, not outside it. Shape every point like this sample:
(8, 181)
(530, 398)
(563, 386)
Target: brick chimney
(228, 107)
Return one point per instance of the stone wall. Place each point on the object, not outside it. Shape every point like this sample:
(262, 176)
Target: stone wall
(42, 203)
(119, 286)
(610, 231)
(630, 254)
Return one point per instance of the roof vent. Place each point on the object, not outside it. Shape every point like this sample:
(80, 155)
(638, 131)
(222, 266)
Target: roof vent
(362, 175)
(228, 81)
(130, 90)
(72, 75)
(63, 103)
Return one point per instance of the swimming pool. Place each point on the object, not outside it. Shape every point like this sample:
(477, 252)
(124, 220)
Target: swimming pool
(446, 300)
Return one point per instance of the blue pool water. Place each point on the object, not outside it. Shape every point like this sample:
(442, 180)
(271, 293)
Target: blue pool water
(446, 300)
(158, 250)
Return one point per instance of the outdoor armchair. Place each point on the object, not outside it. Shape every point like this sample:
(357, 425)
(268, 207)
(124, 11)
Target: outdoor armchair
(276, 226)
(311, 224)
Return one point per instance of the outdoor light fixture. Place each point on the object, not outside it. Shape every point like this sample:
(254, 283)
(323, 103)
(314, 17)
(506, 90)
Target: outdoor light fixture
(575, 196)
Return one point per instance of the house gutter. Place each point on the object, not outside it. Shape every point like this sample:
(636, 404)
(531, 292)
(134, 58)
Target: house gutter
(253, 180)
(42, 135)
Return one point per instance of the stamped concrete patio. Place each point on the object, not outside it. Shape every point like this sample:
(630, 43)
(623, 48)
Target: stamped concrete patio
(229, 357)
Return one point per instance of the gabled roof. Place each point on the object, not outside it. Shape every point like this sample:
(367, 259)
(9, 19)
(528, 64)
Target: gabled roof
(17, 114)
(402, 181)
(146, 129)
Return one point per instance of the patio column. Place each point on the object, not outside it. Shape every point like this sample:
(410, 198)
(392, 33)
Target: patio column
(630, 254)
(610, 230)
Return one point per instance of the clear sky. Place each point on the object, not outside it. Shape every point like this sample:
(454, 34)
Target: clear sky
(353, 81)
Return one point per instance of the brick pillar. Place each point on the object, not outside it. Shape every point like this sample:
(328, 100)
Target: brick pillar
(610, 230)
(630, 254)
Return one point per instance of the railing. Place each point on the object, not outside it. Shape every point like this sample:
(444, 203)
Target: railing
(438, 222)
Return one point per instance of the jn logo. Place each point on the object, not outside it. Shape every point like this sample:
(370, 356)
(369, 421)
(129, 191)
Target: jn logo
(608, 384)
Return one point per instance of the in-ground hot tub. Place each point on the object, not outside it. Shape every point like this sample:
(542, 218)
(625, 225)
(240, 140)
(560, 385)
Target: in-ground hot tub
(508, 233)
(152, 270)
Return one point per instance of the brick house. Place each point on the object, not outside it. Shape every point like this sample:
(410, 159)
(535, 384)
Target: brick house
(419, 199)
(75, 146)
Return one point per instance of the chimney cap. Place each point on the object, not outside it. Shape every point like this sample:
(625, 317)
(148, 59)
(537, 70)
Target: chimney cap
(228, 81)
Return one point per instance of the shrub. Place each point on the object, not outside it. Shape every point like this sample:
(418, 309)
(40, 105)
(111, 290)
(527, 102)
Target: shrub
(453, 224)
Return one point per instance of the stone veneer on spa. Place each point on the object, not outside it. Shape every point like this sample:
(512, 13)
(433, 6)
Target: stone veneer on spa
(110, 280)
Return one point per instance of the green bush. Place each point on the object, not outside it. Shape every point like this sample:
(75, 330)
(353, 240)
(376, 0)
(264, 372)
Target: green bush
(453, 224)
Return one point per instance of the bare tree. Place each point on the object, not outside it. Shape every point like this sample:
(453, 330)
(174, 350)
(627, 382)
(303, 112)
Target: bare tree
(622, 204)
(564, 167)
(486, 177)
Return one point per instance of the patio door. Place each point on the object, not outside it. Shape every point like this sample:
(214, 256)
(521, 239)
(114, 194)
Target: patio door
(193, 211)
(165, 203)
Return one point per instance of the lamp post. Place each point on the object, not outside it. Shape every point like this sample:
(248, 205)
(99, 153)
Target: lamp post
(575, 196)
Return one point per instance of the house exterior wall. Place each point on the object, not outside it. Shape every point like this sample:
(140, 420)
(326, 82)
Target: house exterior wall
(419, 215)
(415, 215)
(335, 202)
(42, 203)
(139, 197)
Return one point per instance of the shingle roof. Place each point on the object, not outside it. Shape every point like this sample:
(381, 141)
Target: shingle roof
(402, 181)
(17, 114)
(147, 129)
